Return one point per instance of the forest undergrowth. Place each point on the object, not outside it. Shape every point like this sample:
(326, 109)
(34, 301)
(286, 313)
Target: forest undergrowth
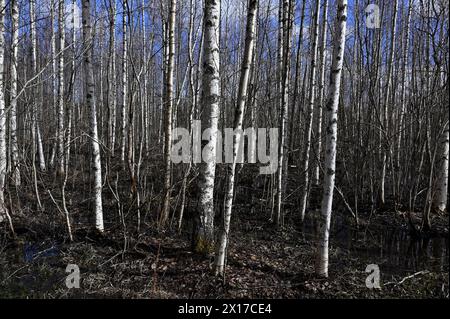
(263, 262)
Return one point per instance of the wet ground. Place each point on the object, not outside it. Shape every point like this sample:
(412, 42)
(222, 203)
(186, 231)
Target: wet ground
(263, 262)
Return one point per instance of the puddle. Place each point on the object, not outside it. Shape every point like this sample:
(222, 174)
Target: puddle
(33, 251)
(394, 250)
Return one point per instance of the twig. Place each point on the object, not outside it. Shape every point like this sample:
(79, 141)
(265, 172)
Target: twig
(423, 272)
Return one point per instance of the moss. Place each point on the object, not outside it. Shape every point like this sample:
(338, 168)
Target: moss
(203, 245)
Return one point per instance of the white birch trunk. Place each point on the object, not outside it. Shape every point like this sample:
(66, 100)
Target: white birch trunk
(90, 100)
(60, 135)
(323, 61)
(73, 91)
(54, 79)
(124, 81)
(203, 239)
(310, 110)
(13, 93)
(3, 209)
(285, 74)
(440, 198)
(36, 133)
(331, 141)
(238, 121)
(112, 92)
(168, 104)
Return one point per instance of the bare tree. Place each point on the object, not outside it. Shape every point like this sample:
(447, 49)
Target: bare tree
(13, 93)
(124, 83)
(310, 110)
(321, 92)
(440, 199)
(90, 100)
(237, 142)
(60, 135)
(169, 110)
(286, 26)
(3, 154)
(112, 86)
(385, 121)
(331, 141)
(203, 236)
(36, 131)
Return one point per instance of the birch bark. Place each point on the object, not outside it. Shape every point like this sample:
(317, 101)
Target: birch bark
(123, 106)
(440, 198)
(60, 135)
(168, 110)
(310, 110)
(3, 209)
(13, 93)
(238, 121)
(203, 236)
(90, 100)
(331, 141)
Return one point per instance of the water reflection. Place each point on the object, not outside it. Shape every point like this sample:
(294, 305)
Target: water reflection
(395, 250)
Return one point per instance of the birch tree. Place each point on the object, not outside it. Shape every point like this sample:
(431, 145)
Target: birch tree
(331, 139)
(53, 80)
(440, 198)
(90, 101)
(169, 109)
(237, 142)
(385, 121)
(3, 154)
(36, 132)
(112, 92)
(60, 134)
(323, 61)
(13, 93)
(310, 110)
(285, 56)
(203, 233)
(123, 106)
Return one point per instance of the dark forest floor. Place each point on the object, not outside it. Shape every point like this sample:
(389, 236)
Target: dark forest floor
(262, 262)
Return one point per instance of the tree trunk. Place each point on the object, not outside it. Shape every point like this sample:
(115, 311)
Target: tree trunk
(61, 26)
(90, 100)
(310, 110)
(35, 124)
(13, 93)
(112, 93)
(54, 81)
(3, 159)
(203, 233)
(168, 110)
(331, 141)
(440, 198)
(385, 120)
(123, 106)
(238, 120)
(285, 67)
(323, 62)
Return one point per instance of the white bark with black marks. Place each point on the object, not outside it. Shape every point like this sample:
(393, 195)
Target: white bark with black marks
(440, 198)
(238, 121)
(3, 159)
(168, 104)
(90, 100)
(60, 134)
(123, 106)
(331, 140)
(203, 236)
(310, 111)
(13, 93)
